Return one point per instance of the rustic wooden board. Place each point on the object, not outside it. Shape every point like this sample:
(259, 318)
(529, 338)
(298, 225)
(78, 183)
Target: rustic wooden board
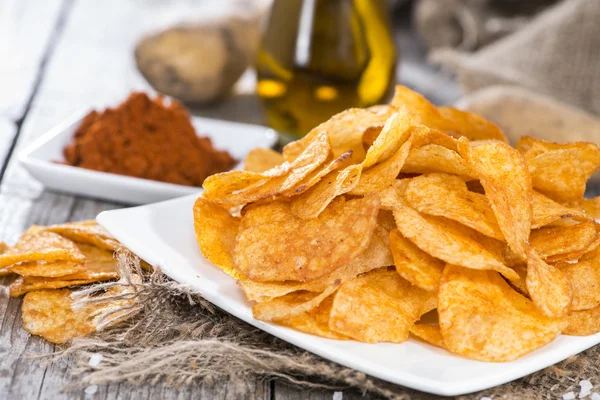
(77, 55)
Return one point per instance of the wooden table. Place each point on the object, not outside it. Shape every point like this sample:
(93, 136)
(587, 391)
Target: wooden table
(60, 56)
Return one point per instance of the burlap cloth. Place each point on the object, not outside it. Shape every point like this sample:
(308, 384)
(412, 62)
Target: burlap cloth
(176, 336)
(556, 54)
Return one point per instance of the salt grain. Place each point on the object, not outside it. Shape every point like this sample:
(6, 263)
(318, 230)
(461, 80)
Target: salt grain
(569, 396)
(90, 390)
(338, 395)
(595, 396)
(586, 388)
(95, 360)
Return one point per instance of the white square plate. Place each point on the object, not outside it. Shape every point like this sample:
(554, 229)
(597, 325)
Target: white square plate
(40, 156)
(163, 235)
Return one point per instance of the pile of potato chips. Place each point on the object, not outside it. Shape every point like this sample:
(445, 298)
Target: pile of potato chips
(50, 259)
(408, 218)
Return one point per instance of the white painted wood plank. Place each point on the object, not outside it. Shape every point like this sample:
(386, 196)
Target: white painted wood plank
(25, 30)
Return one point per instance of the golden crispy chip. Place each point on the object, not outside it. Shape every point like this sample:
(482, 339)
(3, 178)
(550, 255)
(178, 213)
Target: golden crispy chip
(311, 203)
(50, 313)
(315, 322)
(557, 240)
(559, 174)
(470, 125)
(237, 187)
(382, 176)
(413, 264)
(520, 285)
(86, 232)
(505, 178)
(447, 196)
(378, 306)
(391, 195)
(41, 246)
(47, 269)
(590, 206)
(447, 119)
(3, 248)
(546, 211)
(583, 323)
(216, 230)
(429, 333)
(261, 160)
(483, 318)
(448, 241)
(99, 265)
(436, 158)
(273, 245)
(370, 135)
(344, 130)
(576, 255)
(560, 170)
(547, 286)
(291, 305)
(395, 132)
(584, 277)
(377, 255)
(315, 176)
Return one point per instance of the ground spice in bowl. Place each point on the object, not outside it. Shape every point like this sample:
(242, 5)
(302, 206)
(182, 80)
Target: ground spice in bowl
(146, 138)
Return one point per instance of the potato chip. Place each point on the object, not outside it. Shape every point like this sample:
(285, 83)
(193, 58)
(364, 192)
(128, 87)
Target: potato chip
(575, 255)
(447, 196)
(383, 176)
(584, 277)
(3, 248)
(370, 135)
(291, 305)
(429, 333)
(448, 241)
(436, 158)
(216, 230)
(583, 323)
(590, 206)
(557, 240)
(483, 318)
(315, 322)
(520, 285)
(378, 306)
(413, 264)
(505, 178)
(548, 287)
(311, 203)
(315, 176)
(377, 255)
(41, 246)
(559, 174)
(50, 313)
(86, 232)
(261, 160)
(546, 211)
(290, 248)
(395, 132)
(447, 119)
(237, 187)
(393, 194)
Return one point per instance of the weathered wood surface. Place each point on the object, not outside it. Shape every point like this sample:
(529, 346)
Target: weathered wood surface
(66, 55)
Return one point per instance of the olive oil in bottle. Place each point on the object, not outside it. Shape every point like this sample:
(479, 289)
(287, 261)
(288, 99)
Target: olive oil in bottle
(320, 57)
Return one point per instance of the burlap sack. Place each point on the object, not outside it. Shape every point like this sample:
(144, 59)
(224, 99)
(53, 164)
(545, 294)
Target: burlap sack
(176, 336)
(557, 54)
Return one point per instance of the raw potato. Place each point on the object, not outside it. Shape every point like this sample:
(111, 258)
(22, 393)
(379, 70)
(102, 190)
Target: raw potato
(282, 247)
(483, 318)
